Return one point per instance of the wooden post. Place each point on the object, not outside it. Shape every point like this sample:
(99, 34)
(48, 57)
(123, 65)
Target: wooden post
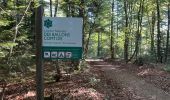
(39, 61)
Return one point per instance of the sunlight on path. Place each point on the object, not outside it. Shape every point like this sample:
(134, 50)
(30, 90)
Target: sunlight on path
(141, 90)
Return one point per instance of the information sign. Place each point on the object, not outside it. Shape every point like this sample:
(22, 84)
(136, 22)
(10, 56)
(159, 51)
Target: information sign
(62, 38)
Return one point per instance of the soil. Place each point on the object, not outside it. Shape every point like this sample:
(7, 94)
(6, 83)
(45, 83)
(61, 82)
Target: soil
(102, 80)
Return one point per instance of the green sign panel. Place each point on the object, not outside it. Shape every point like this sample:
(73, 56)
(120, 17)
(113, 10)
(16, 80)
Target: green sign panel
(62, 38)
(62, 52)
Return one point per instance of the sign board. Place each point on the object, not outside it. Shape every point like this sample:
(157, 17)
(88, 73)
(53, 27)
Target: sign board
(62, 38)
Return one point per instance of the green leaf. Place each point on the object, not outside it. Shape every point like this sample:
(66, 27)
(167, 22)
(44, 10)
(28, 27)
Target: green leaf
(8, 45)
(22, 38)
(2, 54)
(4, 22)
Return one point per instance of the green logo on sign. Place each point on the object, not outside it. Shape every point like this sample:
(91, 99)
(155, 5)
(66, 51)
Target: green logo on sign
(48, 23)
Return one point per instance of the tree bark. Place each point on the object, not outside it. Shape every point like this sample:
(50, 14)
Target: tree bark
(88, 39)
(139, 30)
(111, 33)
(82, 15)
(56, 8)
(32, 22)
(167, 39)
(126, 43)
(152, 31)
(99, 42)
(138, 34)
(51, 11)
(68, 14)
(159, 56)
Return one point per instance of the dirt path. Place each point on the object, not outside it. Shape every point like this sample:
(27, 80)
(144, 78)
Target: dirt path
(101, 80)
(138, 88)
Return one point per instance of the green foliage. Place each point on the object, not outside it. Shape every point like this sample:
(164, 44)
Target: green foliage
(8, 45)
(21, 63)
(19, 59)
(2, 54)
(94, 44)
(101, 15)
(4, 23)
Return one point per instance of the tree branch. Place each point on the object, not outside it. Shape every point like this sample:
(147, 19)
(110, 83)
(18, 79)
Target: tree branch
(3, 9)
(17, 27)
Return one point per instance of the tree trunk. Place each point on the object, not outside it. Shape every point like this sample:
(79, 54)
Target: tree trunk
(98, 47)
(126, 43)
(56, 8)
(68, 14)
(82, 14)
(72, 10)
(159, 56)
(32, 23)
(88, 39)
(117, 28)
(51, 11)
(111, 33)
(16, 28)
(138, 34)
(167, 40)
(152, 31)
(131, 26)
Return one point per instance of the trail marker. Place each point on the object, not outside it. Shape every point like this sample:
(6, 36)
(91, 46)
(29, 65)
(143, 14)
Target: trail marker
(62, 38)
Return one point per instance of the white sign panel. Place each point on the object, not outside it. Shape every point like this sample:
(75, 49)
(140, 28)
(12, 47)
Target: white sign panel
(62, 32)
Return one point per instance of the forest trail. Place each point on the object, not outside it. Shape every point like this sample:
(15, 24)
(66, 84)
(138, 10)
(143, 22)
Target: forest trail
(138, 88)
(100, 80)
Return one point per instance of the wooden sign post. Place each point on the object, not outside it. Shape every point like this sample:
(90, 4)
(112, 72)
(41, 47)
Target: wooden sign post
(39, 60)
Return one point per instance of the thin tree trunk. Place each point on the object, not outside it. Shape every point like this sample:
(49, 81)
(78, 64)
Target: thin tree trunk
(152, 31)
(98, 47)
(82, 14)
(68, 14)
(32, 22)
(72, 10)
(51, 11)
(56, 8)
(117, 27)
(138, 35)
(139, 30)
(126, 43)
(88, 39)
(111, 33)
(159, 56)
(130, 26)
(167, 40)
(16, 30)
(92, 25)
